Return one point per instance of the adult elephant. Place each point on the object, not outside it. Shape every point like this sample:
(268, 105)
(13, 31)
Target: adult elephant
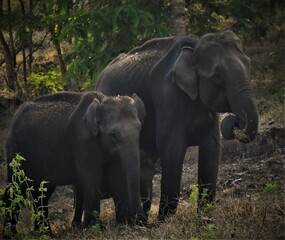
(69, 138)
(184, 82)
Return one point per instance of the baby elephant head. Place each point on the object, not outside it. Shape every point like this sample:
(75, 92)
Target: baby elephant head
(116, 118)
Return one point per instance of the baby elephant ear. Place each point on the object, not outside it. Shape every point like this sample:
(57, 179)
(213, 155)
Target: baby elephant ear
(140, 107)
(92, 117)
(184, 75)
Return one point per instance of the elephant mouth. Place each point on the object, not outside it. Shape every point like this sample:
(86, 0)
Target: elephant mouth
(233, 128)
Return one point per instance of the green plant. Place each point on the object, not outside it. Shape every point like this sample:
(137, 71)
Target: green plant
(99, 33)
(96, 228)
(240, 135)
(209, 231)
(209, 207)
(193, 198)
(16, 196)
(38, 215)
(42, 82)
(270, 188)
(19, 198)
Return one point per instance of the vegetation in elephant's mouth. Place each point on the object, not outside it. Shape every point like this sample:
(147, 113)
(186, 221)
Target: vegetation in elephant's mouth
(240, 135)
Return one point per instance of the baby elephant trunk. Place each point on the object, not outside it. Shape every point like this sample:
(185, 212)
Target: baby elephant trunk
(131, 164)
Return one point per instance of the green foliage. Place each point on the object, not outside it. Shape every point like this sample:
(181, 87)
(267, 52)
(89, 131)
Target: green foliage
(21, 199)
(102, 30)
(255, 18)
(45, 82)
(209, 231)
(18, 199)
(204, 16)
(38, 215)
(96, 228)
(209, 207)
(240, 134)
(270, 188)
(193, 198)
(91, 33)
(261, 17)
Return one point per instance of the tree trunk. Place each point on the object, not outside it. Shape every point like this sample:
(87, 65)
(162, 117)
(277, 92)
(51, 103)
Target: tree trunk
(62, 66)
(11, 75)
(30, 38)
(56, 44)
(59, 54)
(178, 18)
(23, 47)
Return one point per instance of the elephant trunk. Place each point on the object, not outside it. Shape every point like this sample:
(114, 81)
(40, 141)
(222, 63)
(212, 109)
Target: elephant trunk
(131, 165)
(243, 125)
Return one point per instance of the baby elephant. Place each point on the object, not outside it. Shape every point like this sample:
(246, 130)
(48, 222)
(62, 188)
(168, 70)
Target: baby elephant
(70, 138)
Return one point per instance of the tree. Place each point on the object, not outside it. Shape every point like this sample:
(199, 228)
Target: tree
(102, 30)
(178, 18)
(95, 31)
(16, 35)
(9, 48)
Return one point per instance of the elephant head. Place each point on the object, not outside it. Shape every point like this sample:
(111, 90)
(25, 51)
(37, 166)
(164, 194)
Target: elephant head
(117, 121)
(218, 72)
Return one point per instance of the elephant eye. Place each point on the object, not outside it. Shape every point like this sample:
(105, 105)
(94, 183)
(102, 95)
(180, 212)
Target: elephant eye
(217, 80)
(114, 136)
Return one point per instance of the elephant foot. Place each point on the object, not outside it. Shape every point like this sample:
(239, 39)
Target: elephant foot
(139, 222)
(76, 224)
(166, 210)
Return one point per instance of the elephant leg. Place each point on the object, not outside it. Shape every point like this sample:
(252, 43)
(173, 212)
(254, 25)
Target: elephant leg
(172, 157)
(41, 205)
(146, 205)
(90, 183)
(116, 186)
(121, 203)
(208, 166)
(147, 172)
(78, 205)
(89, 175)
(91, 207)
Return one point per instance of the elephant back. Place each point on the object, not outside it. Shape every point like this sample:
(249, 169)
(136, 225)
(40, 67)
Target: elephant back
(132, 68)
(70, 97)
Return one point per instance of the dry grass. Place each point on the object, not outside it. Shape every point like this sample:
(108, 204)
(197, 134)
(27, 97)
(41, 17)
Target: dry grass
(258, 216)
(249, 205)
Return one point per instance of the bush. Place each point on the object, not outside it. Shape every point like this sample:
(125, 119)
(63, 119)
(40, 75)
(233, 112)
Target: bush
(19, 199)
(42, 82)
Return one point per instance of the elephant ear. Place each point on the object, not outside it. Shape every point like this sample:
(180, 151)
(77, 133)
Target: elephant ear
(184, 74)
(92, 117)
(140, 107)
(229, 36)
